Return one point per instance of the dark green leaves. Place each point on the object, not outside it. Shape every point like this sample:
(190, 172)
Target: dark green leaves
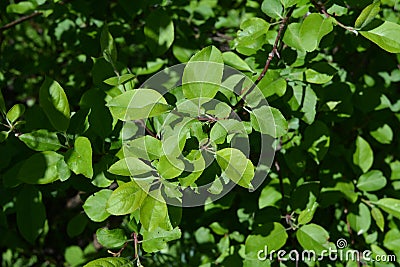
(203, 74)
(159, 31)
(43, 168)
(138, 104)
(360, 219)
(79, 159)
(2, 104)
(41, 140)
(385, 36)
(31, 213)
(55, 104)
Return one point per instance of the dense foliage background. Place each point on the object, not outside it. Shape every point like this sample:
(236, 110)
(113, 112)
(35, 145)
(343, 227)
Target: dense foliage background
(333, 80)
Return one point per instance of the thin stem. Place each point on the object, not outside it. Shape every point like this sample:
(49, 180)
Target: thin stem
(271, 55)
(20, 20)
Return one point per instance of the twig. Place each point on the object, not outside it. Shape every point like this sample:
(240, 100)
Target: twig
(322, 10)
(20, 20)
(271, 55)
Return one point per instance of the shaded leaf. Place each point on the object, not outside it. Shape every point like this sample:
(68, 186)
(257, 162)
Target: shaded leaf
(159, 31)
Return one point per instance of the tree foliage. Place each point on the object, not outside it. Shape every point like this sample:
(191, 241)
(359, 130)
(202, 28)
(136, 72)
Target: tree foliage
(294, 149)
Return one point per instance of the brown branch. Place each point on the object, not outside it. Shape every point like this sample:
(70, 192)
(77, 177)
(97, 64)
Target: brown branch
(271, 55)
(20, 20)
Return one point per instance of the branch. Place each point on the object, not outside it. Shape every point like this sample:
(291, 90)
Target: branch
(271, 55)
(322, 10)
(20, 20)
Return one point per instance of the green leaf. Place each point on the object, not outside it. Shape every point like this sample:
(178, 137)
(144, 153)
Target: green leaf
(371, 181)
(269, 196)
(95, 205)
(3, 136)
(390, 205)
(202, 75)
(272, 8)
(391, 240)
(130, 166)
(289, 3)
(385, 36)
(292, 36)
(15, 112)
(252, 36)
(378, 217)
(108, 47)
(2, 104)
(157, 239)
(43, 168)
(118, 80)
(21, 7)
(304, 100)
(320, 73)
(222, 128)
(169, 167)
(313, 237)
(307, 215)
(154, 213)
(159, 31)
(31, 213)
(236, 166)
(363, 157)
(74, 256)
(55, 104)
(126, 198)
(367, 15)
(146, 147)
(272, 83)
(41, 140)
(77, 225)
(360, 219)
(111, 238)
(79, 159)
(383, 135)
(272, 235)
(233, 60)
(138, 104)
(317, 140)
(313, 28)
(111, 262)
(269, 120)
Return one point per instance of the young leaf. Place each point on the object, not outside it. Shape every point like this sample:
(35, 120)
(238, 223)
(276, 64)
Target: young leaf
(371, 181)
(130, 166)
(146, 147)
(390, 205)
(202, 75)
(378, 217)
(138, 104)
(272, 8)
(383, 135)
(367, 15)
(157, 239)
(111, 262)
(55, 104)
(159, 31)
(236, 166)
(313, 28)
(41, 140)
(233, 60)
(126, 198)
(79, 158)
(252, 36)
(154, 213)
(385, 36)
(363, 157)
(31, 213)
(313, 237)
(360, 219)
(169, 167)
(15, 112)
(111, 238)
(43, 168)
(108, 47)
(95, 205)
